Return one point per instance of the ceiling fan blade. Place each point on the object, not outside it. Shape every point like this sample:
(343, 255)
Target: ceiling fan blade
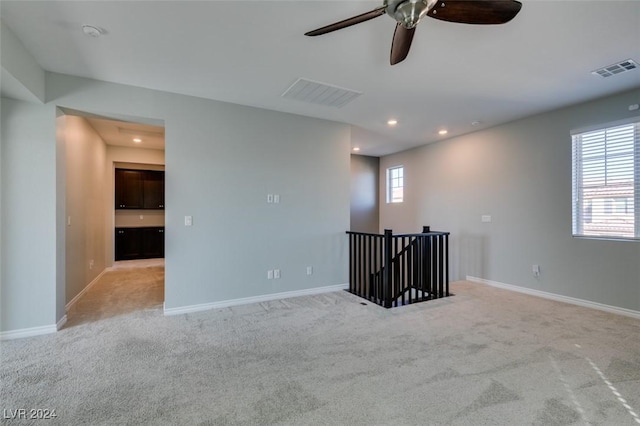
(401, 43)
(485, 12)
(349, 22)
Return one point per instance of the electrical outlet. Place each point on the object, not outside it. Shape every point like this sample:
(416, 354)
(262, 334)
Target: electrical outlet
(188, 221)
(276, 198)
(309, 270)
(270, 274)
(536, 270)
(485, 218)
(276, 274)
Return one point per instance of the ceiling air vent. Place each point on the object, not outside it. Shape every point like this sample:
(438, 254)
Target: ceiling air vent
(315, 92)
(618, 68)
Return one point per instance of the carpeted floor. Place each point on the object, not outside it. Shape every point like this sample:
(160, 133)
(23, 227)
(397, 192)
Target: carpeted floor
(127, 287)
(483, 357)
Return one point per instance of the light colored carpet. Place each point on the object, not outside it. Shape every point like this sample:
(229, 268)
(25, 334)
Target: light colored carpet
(483, 357)
(129, 286)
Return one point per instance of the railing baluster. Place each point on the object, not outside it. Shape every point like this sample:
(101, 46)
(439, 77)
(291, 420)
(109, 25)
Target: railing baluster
(360, 237)
(434, 265)
(351, 259)
(405, 281)
(388, 258)
(446, 263)
(409, 263)
(378, 269)
(441, 273)
(368, 268)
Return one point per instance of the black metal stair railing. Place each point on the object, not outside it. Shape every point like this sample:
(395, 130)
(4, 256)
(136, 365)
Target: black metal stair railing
(394, 270)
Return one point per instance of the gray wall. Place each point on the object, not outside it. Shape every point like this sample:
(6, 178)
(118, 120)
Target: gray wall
(520, 174)
(221, 162)
(28, 282)
(364, 193)
(85, 185)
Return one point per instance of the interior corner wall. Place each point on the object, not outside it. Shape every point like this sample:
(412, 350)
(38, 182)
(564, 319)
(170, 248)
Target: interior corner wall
(519, 174)
(28, 285)
(221, 162)
(364, 193)
(85, 185)
(126, 157)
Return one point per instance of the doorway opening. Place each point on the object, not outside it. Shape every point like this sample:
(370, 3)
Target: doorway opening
(98, 284)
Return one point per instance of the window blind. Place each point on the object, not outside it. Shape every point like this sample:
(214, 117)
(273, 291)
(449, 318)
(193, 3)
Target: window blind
(606, 182)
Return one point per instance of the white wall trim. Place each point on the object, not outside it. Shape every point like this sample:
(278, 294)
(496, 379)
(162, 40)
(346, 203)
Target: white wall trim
(559, 298)
(28, 332)
(84, 290)
(254, 299)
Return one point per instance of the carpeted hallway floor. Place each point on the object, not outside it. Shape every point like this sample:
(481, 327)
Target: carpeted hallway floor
(127, 287)
(484, 357)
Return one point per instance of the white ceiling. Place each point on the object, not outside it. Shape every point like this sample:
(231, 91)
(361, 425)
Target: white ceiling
(123, 133)
(250, 52)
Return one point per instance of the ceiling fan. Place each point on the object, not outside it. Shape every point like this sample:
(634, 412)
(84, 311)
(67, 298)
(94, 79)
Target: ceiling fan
(408, 14)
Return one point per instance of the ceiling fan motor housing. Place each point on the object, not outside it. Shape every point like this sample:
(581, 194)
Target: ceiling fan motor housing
(409, 12)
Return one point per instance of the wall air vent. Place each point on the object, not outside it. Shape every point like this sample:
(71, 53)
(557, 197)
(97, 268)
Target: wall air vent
(614, 69)
(318, 93)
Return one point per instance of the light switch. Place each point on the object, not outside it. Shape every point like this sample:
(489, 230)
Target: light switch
(188, 220)
(276, 198)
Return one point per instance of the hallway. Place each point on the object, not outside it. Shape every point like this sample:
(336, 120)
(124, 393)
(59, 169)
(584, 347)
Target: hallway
(127, 287)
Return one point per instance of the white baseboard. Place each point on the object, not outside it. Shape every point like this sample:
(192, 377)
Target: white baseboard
(559, 298)
(254, 299)
(61, 323)
(84, 290)
(28, 332)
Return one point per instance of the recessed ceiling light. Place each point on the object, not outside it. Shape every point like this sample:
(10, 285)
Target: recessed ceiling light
(443, 132)
(356, 149)
(392, 122)
(91, 31)
(137, 140)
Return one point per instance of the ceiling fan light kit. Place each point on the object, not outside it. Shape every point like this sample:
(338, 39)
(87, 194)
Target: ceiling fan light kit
(408, 13)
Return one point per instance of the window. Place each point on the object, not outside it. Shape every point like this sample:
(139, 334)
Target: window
(606, 181)
(395, 184)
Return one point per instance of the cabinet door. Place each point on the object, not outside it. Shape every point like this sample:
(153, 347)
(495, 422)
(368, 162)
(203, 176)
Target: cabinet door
(128, 243)
(152, 242)
(129, 187)
(153, 190)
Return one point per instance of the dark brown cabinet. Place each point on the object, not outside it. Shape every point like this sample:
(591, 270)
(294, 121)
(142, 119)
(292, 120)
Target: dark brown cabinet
(139, 189)
(129, 189)
(139, 243)
(153, 190)
(152, 242)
